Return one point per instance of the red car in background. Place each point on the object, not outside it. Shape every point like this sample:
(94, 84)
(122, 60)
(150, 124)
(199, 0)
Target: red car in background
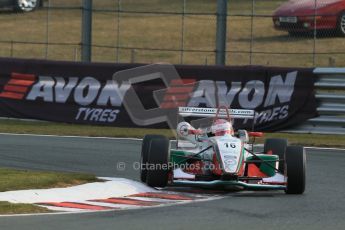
(297, 16)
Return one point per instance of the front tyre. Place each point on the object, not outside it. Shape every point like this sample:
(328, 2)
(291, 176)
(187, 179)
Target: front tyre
(158, 170)
(26, 5)
(295, 169)
(145, 147)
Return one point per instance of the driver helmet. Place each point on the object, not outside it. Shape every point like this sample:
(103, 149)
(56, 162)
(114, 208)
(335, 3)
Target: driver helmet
(220, 127)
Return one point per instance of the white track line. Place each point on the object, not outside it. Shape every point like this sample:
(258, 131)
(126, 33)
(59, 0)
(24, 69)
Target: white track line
(311, 147)
(325, 148)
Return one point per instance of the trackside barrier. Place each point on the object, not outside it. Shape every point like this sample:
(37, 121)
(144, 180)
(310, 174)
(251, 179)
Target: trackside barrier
(330, 94)
(22, 95)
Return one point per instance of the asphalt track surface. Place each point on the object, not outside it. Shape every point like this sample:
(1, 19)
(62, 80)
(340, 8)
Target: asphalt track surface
(321, 207)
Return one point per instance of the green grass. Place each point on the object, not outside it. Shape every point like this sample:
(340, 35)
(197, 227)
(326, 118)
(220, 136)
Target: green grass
(318, 140)
(11, 180)
(31, 127)
(7, 208)
(164, 32)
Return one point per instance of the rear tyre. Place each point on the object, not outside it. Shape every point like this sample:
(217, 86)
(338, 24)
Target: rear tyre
(295, 169)
(278, 147)
(159, 153)
(145, 154)
(341, 25)
(26, 5)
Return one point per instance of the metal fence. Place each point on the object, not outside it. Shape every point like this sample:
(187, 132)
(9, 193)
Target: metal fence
(180, 32)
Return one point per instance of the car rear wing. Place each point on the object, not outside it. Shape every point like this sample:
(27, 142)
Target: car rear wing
(212, 112)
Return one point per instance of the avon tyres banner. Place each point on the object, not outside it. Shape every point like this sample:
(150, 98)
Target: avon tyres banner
(88, 94)
(281, 97)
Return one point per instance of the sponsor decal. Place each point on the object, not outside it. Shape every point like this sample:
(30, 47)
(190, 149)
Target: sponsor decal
(178, 93)
(100, 115)
(17, 86)
(230, 162)
(83, 92)
(230, 157)
(250, 95)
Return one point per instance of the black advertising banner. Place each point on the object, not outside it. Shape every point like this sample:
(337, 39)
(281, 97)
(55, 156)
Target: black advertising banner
(87, 94)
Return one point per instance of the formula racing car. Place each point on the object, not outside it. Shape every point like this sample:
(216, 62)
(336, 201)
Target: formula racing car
(219, 157)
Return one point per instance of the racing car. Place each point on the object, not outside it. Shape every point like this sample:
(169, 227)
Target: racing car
(219, 157)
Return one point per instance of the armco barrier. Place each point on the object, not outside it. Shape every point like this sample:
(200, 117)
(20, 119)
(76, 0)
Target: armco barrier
(330, 94)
